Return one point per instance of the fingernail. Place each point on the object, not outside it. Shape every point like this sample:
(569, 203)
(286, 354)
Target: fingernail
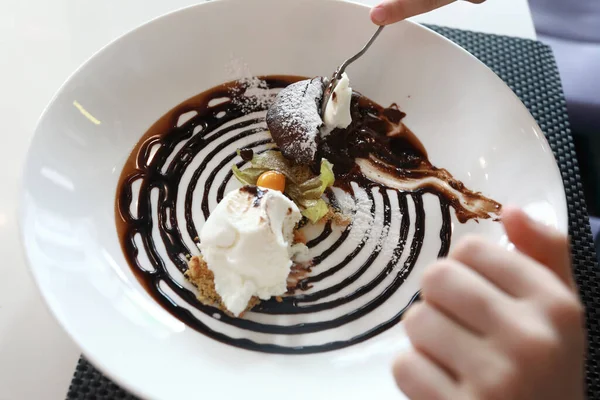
(379, 14)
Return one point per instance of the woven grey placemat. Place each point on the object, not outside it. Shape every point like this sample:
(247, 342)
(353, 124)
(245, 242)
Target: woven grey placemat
(528, 67)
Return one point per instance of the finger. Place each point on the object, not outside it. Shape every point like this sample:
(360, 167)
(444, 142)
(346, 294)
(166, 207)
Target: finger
(439, 338)
(544, 244)
(465, 296)
(391, 11)
(419, 378)
(513, 272)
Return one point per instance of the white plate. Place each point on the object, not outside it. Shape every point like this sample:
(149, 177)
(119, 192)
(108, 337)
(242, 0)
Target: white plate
(469, 121)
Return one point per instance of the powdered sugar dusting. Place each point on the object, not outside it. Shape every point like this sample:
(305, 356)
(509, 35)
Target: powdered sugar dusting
(256, 91)
(385, 230)
(345, 201)
(363, 219)
(237, 68)
(382, 238)
(256, 94)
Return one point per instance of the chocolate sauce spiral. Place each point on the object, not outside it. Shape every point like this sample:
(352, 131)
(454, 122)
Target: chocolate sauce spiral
(181, 169)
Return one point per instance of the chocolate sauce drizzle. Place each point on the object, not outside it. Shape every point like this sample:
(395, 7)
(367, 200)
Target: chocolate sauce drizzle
(158, 164)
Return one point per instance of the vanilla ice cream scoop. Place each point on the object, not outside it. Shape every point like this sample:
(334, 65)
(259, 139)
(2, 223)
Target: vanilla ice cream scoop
(247, 244)
(337, 110)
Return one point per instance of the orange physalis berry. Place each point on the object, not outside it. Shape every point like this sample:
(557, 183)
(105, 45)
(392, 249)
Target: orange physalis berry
(272, 180)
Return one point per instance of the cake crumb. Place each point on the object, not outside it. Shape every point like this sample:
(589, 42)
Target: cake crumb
(337, 217)
(299, 237)
(199, 275)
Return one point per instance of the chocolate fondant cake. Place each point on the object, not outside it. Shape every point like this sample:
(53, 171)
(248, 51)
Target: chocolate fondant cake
(294, 120)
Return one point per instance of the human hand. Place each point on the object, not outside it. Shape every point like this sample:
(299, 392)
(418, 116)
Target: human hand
(495, 324)
(391, 11)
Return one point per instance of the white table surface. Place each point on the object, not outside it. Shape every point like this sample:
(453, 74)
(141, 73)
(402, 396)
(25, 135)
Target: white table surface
(41, 43)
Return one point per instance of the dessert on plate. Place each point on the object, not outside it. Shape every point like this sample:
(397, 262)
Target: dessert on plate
(250, 250)
(247, 243)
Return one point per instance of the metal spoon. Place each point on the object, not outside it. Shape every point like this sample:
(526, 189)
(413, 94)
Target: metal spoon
(337, 75)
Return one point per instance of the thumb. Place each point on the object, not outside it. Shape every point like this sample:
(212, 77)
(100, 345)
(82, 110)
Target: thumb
(542, 243)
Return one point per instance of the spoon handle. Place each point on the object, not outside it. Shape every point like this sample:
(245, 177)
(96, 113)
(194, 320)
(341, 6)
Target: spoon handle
(349, 61)
(338, 72)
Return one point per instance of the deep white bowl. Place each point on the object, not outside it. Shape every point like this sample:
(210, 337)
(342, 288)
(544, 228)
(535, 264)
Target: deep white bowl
(468, 119)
